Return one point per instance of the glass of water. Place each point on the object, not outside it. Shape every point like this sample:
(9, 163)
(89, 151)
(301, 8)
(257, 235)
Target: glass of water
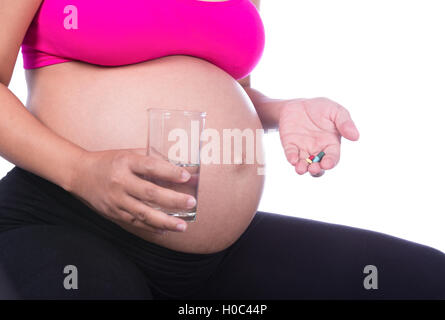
(175, 136)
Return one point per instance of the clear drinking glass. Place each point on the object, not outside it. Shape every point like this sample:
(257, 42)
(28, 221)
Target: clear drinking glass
(174, 135)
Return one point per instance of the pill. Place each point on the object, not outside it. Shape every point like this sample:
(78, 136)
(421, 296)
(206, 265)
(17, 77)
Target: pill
(321, 155)
(312, 157)
(318, 157)
(309, 160)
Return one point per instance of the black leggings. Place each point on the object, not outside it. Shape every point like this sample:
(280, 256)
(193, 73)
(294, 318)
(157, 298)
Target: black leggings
(43, 229)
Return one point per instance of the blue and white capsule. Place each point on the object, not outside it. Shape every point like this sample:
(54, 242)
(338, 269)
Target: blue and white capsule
(318, 157)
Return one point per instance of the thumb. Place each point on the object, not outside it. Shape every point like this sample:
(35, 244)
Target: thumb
(345, 125)
(291, 153)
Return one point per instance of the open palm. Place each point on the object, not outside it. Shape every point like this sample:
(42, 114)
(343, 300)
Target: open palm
(309, 126)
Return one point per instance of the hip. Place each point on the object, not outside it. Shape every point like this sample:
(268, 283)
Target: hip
(27, 200)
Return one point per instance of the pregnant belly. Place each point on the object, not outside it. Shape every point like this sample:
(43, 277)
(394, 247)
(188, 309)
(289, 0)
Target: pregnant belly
(102, 108)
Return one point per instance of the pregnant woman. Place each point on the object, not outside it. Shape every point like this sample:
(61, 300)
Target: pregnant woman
(74, 218)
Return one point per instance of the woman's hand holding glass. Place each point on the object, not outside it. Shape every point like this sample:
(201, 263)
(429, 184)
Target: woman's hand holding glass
(114, 184)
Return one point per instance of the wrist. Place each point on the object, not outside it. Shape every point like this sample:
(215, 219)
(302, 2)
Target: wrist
(282, 106)
(77, 169)
(290, 104)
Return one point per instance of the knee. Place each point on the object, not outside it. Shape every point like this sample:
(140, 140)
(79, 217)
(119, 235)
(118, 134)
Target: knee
(431, 273)
(413, 271)
(63, 263)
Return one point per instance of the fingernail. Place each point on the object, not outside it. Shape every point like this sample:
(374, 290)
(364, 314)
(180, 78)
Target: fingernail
(185, 175)
(181, 227)
(191, 203)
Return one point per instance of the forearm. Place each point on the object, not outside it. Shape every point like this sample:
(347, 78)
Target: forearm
(268, 109)
(29, 144)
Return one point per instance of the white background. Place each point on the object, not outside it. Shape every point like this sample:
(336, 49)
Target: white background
(384, 60)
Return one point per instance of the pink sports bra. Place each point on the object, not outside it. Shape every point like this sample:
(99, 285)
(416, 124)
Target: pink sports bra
(229, 34)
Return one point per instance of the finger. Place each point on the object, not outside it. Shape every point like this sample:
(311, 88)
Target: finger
(345, 125)
(302, 164)
(331, 157)
(151, 216)
(315, 169)
(165, 198)
(319, 174)
(131, 220)
(157, 168)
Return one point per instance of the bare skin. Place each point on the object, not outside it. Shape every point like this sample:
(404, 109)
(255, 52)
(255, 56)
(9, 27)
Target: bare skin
(97, 109)
(86, 132)
(105, 109)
